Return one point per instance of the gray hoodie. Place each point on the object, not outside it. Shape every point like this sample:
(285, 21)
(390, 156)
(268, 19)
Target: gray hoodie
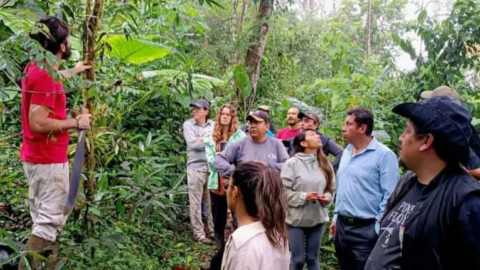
(300, 175)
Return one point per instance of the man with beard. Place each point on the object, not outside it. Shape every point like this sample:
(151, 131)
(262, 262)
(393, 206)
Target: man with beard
(45, 128)
(293, 128)
(433, 220)
(258, 146)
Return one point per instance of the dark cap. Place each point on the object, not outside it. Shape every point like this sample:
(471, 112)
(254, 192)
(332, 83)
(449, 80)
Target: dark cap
(201, 103)
(259, 116)
(444, 116)
(311, 115)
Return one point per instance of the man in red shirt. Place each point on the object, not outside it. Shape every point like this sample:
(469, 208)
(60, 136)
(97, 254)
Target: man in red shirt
(293, 127)
(45, 137)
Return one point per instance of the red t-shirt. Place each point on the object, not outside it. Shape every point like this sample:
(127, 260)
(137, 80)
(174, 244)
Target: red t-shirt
(286, 133)
(38, 147)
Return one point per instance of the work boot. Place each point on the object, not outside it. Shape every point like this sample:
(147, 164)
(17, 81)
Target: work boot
(38, 245)
(205, 241)
(207, 231)
(205, 227)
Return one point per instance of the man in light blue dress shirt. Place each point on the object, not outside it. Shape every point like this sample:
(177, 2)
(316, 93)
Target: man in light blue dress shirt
(367, 175)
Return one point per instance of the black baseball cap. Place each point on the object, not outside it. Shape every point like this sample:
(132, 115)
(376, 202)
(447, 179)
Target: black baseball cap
(311, 115)
(201, 103)
(259, 116)
(444, 116)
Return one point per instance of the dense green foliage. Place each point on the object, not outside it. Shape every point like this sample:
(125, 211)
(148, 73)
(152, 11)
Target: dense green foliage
(154, 56)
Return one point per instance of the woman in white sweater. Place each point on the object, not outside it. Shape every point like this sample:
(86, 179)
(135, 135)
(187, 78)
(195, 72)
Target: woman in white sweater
(308, 181)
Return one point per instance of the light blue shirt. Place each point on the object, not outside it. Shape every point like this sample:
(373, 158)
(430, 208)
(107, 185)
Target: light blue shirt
(365, 181)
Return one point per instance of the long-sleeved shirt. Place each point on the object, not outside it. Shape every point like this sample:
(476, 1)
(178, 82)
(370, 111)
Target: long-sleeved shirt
(271, 151)
(365, 181)
(248, 248)
(301, 175)
(331, 147)
(211, 153)
(196, 158)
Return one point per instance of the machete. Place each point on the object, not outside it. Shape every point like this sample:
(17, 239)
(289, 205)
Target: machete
(76, 175)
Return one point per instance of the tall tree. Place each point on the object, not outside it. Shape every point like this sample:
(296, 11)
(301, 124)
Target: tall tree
(368, 29)
(255, 51)
(244, 15)
(91, 25)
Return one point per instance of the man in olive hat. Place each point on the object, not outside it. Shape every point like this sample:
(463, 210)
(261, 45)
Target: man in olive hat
(473, 165)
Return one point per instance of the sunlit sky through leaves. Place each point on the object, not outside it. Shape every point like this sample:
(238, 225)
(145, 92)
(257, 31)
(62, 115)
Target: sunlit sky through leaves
(436, 8)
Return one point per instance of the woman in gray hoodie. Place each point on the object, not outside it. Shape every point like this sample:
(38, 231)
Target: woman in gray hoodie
(308, 180)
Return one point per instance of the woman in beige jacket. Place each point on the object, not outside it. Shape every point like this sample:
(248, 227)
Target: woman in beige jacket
(308, 181)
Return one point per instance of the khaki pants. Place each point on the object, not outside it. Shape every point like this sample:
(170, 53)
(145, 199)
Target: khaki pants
(48, 189)
(197, 188)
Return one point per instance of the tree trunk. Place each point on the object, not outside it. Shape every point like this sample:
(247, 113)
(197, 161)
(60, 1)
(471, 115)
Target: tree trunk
(244, 15)
(255, 52)
(233, 29)
(368, 30)
(234, 17)
(92, 23)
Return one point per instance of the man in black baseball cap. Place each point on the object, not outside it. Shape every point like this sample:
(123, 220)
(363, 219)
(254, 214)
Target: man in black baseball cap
(433, 220)
(311, 120)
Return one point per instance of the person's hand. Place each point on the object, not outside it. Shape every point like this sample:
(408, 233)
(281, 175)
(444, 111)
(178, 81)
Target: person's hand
(333, 229)
(200, 139)
(84, 119)
(81, 67)
(312, 196)
(324, 198)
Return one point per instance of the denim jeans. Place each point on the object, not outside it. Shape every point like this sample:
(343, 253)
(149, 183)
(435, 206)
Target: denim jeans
(305, 244)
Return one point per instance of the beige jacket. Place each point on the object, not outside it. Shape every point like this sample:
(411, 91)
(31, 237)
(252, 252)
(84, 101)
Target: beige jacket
(300, 175)
(248, 249)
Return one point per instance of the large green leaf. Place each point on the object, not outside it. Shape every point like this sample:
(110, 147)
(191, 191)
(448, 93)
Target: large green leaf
(240, 76)
(135, 51)
(169, 75)
(200, 83)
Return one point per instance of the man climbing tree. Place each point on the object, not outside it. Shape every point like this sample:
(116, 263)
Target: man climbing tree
(45, 137)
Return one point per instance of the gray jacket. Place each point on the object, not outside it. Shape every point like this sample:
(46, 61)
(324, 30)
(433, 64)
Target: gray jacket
(300, 175)
(271, 152)
(196, 158)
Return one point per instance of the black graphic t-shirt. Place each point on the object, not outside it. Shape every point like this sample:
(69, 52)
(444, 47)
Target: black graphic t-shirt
(387, 252)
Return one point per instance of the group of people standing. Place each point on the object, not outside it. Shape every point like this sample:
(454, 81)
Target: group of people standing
(279, 189)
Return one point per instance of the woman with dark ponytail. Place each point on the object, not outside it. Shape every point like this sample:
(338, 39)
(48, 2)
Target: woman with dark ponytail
(308, 180)
(255, 196)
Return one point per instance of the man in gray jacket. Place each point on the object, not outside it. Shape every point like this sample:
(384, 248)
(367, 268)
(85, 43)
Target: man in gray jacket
(195, 130)
(257, 146)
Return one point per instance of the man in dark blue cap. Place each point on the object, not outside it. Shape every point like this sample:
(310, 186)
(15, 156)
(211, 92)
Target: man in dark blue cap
(257, 146)
(433, 221)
